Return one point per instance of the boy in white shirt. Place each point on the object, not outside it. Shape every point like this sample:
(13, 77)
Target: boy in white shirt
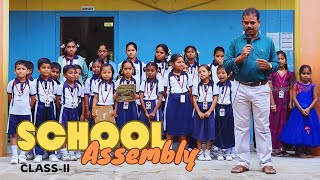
(21, 96)
(45, 109)
(68, 97)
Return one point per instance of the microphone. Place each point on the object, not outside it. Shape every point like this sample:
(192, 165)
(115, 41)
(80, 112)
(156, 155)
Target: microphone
(249, 38)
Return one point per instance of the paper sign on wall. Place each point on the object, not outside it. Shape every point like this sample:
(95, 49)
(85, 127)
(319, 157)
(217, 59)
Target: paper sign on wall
(87, 8)
(275, 38)
(286, 41)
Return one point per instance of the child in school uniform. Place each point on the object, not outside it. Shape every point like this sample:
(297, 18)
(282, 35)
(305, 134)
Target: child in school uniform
(139, 76)
(54, 75)
(218, 58)
(105, 89)
(178, 111)
(89, 87)
(70, 47)
(81, 105)
(21, 96)
(55, 72)
(151, 94)
(162, 57)
(45, 109)
(103, 54)
(127, 111)
(204, 102)
(191, 56)
(185, 68)
(30, 67)
(68, 95)
(224, 121)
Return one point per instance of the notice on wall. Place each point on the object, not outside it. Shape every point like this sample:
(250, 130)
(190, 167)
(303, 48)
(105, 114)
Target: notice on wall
(286, 41)
(87, 8)
(275, 38)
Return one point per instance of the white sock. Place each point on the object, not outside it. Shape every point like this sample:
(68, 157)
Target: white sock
(14, 149)
(64, 151)
(22, 152)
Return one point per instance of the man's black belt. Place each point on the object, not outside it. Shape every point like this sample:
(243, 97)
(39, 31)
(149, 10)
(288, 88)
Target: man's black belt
(253, 84)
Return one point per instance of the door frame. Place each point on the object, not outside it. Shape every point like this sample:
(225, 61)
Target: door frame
(113, 14)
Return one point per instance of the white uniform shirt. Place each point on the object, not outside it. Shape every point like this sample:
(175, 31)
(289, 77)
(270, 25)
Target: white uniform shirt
(46, 90)
(82, 91)
(66, 61)
(151, 89)
(224, 93)
(163, 71)
(178, 84)
(205, 92)
(90, 84)
(105, 93)
(70, 97)
(163, 74)
(193, 73)
(214, 74)
(140, 75)
(21, 92)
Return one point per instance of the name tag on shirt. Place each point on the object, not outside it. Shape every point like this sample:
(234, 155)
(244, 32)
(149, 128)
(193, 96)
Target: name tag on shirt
(73, 104)
(125, 105)
(148, 105)
(205, 105)
(47, 103)
(281, 94)
(182, 98)
(222, 112)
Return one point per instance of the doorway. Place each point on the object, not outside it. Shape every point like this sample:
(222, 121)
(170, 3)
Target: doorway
(89, 32)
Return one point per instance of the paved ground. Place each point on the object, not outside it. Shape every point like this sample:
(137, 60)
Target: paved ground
(287, 167)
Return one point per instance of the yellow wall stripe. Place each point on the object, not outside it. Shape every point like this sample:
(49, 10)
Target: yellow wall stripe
(134, 5)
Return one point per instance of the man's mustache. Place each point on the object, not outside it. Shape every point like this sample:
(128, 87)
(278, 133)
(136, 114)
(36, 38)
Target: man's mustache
(249, 28)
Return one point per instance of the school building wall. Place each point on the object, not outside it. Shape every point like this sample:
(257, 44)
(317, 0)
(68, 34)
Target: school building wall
(35, 25)
(34, 29)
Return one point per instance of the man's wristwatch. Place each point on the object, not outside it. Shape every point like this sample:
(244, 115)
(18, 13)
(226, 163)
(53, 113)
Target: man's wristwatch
(270, 66)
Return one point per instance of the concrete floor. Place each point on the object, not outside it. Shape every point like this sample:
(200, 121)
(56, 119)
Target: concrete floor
(287, 167)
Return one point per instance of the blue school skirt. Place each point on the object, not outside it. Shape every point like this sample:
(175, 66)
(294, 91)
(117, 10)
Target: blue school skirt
(224, 126)
(159, 114)
(178, 116)
(126, 115)
(204, 128)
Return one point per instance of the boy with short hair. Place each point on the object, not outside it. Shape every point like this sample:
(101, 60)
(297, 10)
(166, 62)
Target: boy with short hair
(81, 106)
(21, 96)
(46, 90)
(68, 95)
(30, 68)
(55, 72)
